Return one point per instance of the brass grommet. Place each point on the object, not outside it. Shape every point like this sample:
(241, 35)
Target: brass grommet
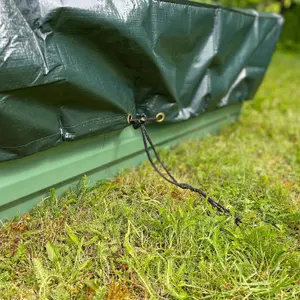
(160, 117)
(129, 118)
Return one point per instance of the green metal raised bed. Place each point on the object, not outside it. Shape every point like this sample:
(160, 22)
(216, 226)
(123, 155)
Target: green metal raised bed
(71, 72)
(25, 182)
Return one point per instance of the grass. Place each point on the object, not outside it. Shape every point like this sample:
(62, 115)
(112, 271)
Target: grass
(137, 237)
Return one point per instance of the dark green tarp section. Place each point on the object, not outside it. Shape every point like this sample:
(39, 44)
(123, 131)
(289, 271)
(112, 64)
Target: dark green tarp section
(73, 68)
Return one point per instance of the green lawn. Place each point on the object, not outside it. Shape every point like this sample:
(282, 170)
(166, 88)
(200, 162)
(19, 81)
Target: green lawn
(138, 237)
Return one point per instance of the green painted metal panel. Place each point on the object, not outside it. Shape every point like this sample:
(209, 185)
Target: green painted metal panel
(26, 181)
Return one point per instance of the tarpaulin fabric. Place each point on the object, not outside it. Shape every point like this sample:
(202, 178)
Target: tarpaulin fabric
(72, 68)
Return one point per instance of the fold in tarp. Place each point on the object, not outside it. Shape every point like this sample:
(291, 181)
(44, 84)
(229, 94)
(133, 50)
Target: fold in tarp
(72, 68)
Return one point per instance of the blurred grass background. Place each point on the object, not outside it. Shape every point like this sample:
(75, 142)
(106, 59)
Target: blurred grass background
(290, 9)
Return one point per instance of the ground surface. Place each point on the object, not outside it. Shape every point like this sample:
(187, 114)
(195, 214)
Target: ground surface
(139, 237)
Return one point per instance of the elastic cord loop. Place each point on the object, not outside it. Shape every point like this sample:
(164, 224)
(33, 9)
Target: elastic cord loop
(140, 123)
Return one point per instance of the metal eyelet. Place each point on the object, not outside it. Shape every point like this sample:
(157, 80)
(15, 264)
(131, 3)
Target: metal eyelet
(129, 118)
(160, 117)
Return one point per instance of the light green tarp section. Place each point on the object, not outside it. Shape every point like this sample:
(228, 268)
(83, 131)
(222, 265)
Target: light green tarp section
(71, 68)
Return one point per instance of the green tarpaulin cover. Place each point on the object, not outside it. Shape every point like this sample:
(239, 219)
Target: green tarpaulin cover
(73, 68)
